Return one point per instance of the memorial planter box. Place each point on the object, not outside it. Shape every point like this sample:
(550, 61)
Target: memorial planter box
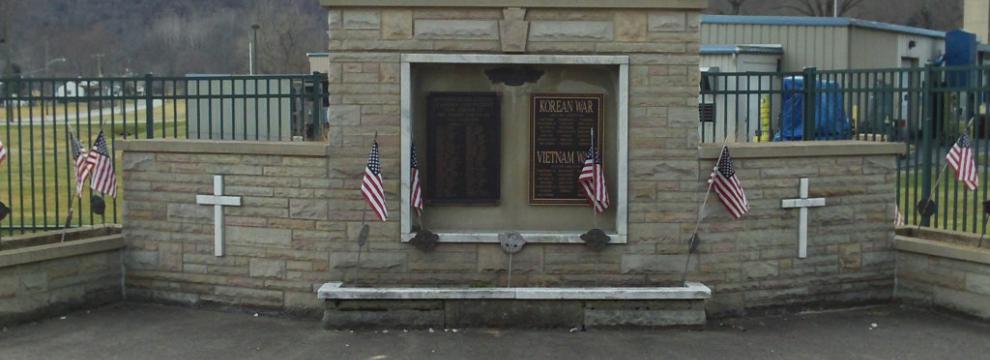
(357, 307)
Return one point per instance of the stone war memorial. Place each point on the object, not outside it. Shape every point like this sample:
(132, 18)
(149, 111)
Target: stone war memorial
(532, 163)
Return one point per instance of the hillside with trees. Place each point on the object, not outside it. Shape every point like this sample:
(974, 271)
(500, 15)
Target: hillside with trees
(932, 14)
(177, 37)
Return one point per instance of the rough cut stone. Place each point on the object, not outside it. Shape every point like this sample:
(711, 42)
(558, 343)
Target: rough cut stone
(261, 236)
(267, 268)
(308, 209)
(641, 263)
(570, 31)
(397, 24)
(513, 35)
(661, 21)
(630, 26)
(456, 29)
(361, 19)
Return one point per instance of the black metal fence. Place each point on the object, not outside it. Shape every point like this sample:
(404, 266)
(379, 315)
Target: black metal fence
(36, 116)
(926, 107)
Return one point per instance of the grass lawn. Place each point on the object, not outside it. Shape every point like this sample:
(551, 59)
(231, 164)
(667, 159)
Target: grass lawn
(37, 177)
(956, 204)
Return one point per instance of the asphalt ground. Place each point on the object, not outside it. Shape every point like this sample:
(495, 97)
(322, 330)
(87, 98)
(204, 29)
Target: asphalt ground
(148, 331)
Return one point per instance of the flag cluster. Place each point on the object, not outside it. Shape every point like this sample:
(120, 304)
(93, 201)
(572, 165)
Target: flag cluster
(727, 186)
(592, 179)
(96, 163)
(961, 159)
(372, 186)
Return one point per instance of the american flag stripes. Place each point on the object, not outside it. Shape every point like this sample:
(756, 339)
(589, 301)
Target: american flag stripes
(592, 179)
(104, 180)
(82, 167)
(372, 187)
(960, 157)
(416, 198)
(727, 186)
(3, 153)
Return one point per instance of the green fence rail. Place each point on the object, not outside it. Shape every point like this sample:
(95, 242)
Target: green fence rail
(926, 107)
(36, 116)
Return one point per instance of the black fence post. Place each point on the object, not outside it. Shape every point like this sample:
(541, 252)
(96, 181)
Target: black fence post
(810, 103)
(149, 109)
(316, 96)
(927, 149)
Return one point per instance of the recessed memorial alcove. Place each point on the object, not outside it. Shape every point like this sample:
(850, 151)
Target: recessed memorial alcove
(502, 138)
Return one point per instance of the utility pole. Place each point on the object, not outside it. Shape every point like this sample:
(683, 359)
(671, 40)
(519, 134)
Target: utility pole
(835, 8)
(99, 64)
(254, 48)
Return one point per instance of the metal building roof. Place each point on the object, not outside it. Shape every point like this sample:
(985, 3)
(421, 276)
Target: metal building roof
(818, 21)
(768, 49)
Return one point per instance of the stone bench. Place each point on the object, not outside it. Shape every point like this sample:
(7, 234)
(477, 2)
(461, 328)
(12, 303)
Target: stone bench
(357, 307)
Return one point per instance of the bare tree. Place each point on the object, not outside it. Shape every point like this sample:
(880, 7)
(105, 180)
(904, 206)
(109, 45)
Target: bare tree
(286, 33)
(923, 17)
(735, 6)
(822, 8)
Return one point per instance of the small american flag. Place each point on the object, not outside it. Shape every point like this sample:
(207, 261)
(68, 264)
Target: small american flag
(416, 200)
(82, 167)
(372, 187)
(592, 179)
(960, 157)
(3, 153)
(727, 186)
(104, 180)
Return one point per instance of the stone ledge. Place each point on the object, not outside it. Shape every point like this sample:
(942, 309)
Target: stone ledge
(532, 237)
(60, 250)
(692, 291)
(586, 4)
(802, 149)
(307, 149)
(941, 249)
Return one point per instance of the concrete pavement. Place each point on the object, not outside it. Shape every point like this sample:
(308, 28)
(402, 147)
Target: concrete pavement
(143, 331)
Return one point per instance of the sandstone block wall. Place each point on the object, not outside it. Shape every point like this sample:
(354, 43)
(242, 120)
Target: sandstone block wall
(31, 289)
(302, 213)
(366, 44)
(935, 268)
(752, 263)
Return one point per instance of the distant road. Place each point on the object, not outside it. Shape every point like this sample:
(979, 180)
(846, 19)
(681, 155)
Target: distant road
(92, 113)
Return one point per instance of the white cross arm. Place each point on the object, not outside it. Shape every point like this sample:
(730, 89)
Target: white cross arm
(218, 200)
(802, 203)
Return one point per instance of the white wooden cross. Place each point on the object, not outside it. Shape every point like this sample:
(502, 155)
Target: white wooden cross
(218, 200)
(802, 203)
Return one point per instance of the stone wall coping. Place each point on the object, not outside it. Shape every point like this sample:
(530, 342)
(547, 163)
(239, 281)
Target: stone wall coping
(307, 149)
(691, 291)
(802, 149)
(60, 250)
(942, 249)
(597, 4)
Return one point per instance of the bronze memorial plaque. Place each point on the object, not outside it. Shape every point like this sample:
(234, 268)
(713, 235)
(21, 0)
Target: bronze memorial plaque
(560, 133)
(463, 147)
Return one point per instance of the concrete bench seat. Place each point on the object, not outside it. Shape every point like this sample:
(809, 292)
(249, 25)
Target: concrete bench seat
(692, 290)
(350, 307)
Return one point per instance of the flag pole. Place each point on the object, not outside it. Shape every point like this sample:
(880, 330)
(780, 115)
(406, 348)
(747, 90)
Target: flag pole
(363, 234)
(68, 218)
(941, 173)
(701, 214)
(594, 199)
